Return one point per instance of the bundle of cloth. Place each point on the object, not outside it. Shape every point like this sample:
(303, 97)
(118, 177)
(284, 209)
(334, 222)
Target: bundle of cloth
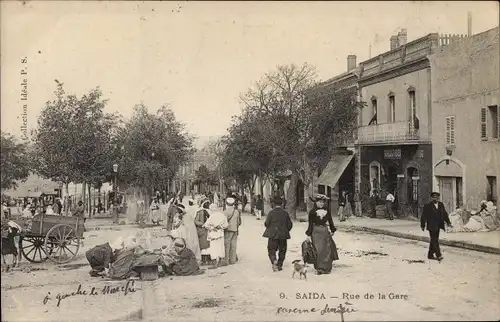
(457, 219)
(124, 258)
(485, 219)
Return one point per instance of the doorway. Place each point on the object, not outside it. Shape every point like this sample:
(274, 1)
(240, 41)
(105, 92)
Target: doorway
(446, 191)
(412, 197)
(392, 179)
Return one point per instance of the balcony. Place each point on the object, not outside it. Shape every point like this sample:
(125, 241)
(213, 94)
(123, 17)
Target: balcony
(399, 132)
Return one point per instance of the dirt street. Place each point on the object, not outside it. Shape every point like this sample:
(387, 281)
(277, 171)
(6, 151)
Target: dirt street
(376, 278)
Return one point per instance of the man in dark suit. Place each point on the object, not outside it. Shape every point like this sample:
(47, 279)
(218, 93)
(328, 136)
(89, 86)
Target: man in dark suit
(278, 226)
(434, 216)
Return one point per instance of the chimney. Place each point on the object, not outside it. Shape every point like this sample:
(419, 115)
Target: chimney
(402, 37)
(394, 42)
(469, 24)
(351, 62)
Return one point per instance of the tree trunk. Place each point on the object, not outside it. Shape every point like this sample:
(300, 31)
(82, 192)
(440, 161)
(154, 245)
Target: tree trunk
(291, 196)
(66, 202)
(309, 203)
(84, 194)
(261, 182)
(90, 201)
(252, 198)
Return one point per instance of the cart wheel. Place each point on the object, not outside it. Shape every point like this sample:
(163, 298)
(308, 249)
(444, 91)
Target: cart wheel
(33, 249)
(63, 243)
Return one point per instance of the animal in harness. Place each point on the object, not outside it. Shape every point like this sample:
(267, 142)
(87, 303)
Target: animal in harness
(11, 242)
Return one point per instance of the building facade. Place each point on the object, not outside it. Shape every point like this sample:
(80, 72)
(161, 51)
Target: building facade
(466, 120)
(394, 133)
(184, 181)
(339, 173)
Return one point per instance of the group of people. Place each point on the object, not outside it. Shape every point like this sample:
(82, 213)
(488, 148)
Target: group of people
(124, 258)
(319, 232)
(208, 236)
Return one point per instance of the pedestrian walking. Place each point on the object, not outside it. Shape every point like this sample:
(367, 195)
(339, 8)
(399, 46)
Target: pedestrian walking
(342, 205)
(320, 232)
(348, 205)
(278, 226)
(389, 202)
(357, 204)
(233, 216)
(80, 213)
(259, 206)
(201, 218)
(244, 202)
(216, 223)
(373, 203)
(434, 216)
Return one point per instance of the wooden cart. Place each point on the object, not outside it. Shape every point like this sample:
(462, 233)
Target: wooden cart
(51, 237)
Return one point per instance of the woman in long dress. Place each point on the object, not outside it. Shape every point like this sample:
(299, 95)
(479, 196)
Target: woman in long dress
(155, 212)
(320, 232)
(185, 228)
(202, 215)
(215, 225)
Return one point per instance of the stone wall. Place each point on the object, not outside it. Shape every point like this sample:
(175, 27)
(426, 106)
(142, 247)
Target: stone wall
(465, 78)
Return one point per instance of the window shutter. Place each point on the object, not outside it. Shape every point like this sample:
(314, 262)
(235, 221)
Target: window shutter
(452, 130)
(448, 130)
(498, 117)
(483, 123)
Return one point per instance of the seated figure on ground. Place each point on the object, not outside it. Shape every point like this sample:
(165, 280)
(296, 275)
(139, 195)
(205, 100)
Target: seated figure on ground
(183, 262)
(101, 256)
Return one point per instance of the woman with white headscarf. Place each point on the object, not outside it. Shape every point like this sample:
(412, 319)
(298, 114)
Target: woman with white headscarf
(215, 225)
(185, 228)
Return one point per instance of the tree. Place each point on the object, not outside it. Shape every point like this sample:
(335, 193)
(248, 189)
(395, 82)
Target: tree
(153, 147)
(76, 140)
(301, 128)
(14, 161)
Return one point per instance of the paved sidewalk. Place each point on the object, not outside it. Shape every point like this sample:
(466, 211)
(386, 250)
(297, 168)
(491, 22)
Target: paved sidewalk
(487, 242)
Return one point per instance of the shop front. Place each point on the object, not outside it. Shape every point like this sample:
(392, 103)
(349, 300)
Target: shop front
(403, 170)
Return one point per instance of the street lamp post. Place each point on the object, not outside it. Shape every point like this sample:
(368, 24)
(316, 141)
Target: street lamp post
(115, 197)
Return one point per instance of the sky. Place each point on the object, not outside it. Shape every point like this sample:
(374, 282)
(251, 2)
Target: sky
(197, 56)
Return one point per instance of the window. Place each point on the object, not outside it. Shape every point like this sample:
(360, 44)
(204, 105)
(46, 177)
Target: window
(374, 112)
(413, 103)
(490, 123)
(491, 189)
(392, 109)
(450, 130)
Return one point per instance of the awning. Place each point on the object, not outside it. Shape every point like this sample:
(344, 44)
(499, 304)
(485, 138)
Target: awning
(334, 169)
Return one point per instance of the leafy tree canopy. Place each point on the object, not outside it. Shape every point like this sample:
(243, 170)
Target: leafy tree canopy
(153, 147)
(14, 161)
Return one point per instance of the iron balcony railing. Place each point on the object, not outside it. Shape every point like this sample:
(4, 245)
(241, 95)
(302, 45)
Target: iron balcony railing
(387, 133)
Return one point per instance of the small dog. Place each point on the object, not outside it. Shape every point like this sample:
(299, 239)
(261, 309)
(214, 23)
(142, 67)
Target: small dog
(299, 268)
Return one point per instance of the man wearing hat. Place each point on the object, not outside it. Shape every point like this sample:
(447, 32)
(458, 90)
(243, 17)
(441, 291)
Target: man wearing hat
(434, 216)
(278, 226)
(233, 216)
